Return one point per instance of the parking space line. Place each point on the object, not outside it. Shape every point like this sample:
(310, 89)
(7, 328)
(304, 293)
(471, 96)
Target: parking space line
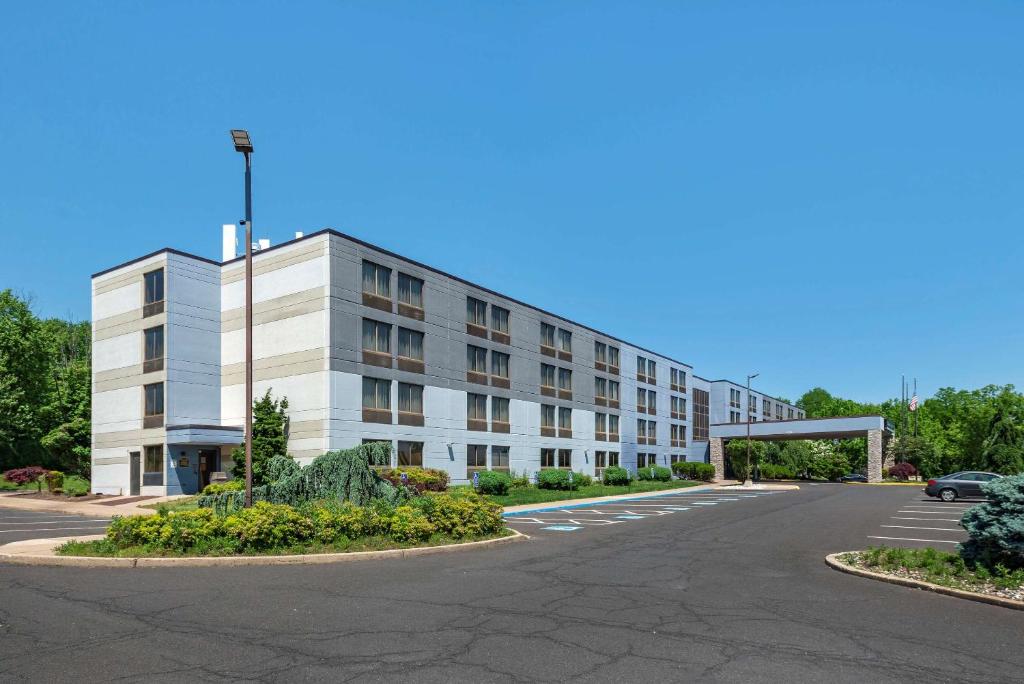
(939, 529)
(54, 529)
(896, 517)
(906, 510)
(929, 541)
(50, 522)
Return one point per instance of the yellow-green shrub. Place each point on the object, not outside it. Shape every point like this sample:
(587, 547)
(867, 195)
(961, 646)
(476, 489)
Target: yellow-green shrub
(267, 525)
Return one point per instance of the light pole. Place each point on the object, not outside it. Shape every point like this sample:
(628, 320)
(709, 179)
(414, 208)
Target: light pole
(747, 481)
(242, 144)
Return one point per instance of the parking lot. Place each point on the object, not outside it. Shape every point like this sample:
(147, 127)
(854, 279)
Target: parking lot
(588, 517)
(17, 525)
(921, 521)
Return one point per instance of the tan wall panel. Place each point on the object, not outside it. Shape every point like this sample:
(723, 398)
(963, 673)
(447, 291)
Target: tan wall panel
(128, 438)
(270, 368)
(134, 274)
(133, 322)
(138, 379)
(269, 264)
(279, 308)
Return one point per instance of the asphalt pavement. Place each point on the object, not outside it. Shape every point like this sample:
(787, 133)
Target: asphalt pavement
(736, 591)
(18, 525)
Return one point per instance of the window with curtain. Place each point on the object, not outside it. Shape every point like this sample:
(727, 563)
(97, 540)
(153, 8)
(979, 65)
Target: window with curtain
(613, 390)
(410, 344)
(641, 399)
(613, 424)
(600, 388)
(476, 359)
(547, 416)
(154, 286)
(154, 399)
(499, 319)
(376, 336)
(565, 379)
(499, 364)
(600, 422)
(410, 290)
(154, 343)
(377, 394)
(154, 462)
(376, 279)
(476, 312)
(547, 335)
(651, 371)
(565, 340)
(476, 457)
(641, 428)
(410, 454)
(613, 458)
(652, 401)
(565, 458)
(652, 432)
(600, 352)
(499, 409)
(547, 375)
(564, 418)
(410, 398)
(613, 356)
(641, 366)
(547, 458)
(499, 458)
(476, 406)
(600, 459)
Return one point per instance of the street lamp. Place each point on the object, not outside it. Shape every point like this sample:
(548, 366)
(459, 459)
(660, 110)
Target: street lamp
(242, 144)
(749, 378)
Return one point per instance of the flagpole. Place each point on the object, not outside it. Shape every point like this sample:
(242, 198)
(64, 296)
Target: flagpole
(915, 408)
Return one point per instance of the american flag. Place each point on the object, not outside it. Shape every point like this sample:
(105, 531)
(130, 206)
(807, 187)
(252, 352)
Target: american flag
(913, 403)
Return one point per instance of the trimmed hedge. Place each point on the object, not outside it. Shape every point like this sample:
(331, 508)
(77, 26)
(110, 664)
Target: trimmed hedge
(685, 470)
(277, 527)
(553, 478)
(493, 482)
(421, 479)
(772, 471)
(658, 473)
(614, 475)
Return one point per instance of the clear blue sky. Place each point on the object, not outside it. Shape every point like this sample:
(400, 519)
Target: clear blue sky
(829, 194)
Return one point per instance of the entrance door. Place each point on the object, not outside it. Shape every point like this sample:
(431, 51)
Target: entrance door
(135, 459)
(209, 463)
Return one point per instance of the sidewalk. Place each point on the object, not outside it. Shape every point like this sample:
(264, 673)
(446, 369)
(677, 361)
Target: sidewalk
(99, 508)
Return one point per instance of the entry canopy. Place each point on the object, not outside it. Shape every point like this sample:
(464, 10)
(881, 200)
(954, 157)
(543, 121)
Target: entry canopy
(839, 427)
(205, 434)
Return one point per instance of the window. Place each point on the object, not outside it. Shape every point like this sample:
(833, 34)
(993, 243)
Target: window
(476, 312)
(613, 359)
(547, 375)
(499, 325)
(410, 398)
(153, 359)
(565, 380)
(651, 374)
(678, 407)
(499, 364)
(641, 369)
(154, 405)
(646, 460)
(499, 413)
(652, 402)
(547, 416)
(601, 390)
(376, 280)
(652, 432)
(410, 291)
(734, 398)
(613, 428)
(565, 341)
(476, 412)
(641, 431)
(678, 435)
(751, 403)
(564, 422)
(410, 454)
(700, 415)
(499, 458)
(376, 400)
(547, 458)
(476, 458)
(410, 344)
(153, 466)
(678, 380)
(641, 400)
(778, 411)
(600, 355)
(153, 297)
(789, 413)
(476, 360)
(547, 335)
(600, 427)
(613, 393)
(376, 337)
(565, 458)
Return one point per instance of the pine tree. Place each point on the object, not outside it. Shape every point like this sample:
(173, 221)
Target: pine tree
(269, 438)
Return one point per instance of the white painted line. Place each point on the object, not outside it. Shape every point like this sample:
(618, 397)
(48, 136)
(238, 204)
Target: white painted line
(54, 529)
(931, 541)
(940, 529)
(50, 522)
(896, 517)
(925, 512)
(705, 503)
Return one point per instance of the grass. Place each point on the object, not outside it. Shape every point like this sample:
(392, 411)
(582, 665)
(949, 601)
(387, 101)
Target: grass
(530, 495)
(938, 567)
(74, 485)
(105, 549)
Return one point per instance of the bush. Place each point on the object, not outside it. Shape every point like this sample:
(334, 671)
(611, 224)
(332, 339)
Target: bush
(408, 524)
(903, 471)
(553, 478)
(491, 482)
(658, 473)
(235, 485)
(774, 471)
(55, 481)
(614, 475)
(268, 526)
(520, 480)
(704, 472)
(996, 527)
(463, 517)
(21, 476)
(422, 479)
(173, 531)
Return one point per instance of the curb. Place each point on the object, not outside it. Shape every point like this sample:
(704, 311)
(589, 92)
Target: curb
(575, 503)
(222, 561)
(832, 560)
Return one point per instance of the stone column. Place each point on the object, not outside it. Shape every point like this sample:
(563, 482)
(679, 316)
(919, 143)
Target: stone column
(718, 457)
(874, 455)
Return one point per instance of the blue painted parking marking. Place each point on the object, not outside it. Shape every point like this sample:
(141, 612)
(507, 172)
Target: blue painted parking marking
(629, 517)
(562, 528)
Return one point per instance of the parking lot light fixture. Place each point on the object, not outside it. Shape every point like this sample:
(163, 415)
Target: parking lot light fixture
(243, 144)
(747, 481)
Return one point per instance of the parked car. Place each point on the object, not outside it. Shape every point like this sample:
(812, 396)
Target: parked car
(853, 477)
(962, 485)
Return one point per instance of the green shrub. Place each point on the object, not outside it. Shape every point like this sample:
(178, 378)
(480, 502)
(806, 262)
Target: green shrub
(996, 527)
(520, 480)
(422, 479)
(704, 472)
(409, 524)
(658, 473)
(235, 485)
(553, 478)
(774, 471)
(174, 531)
(492, 482)
(614, 475)
(267, 526)
(463, 517)
(55, 481)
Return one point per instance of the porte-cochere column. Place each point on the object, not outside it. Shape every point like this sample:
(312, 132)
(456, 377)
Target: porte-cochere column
(874, 455)
(718, 457)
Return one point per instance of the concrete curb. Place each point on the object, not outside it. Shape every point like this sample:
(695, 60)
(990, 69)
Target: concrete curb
(208, 561)
(563, 503)
(833, 561)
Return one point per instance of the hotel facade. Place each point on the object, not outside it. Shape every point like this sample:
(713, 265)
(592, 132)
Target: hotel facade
(368, 345)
